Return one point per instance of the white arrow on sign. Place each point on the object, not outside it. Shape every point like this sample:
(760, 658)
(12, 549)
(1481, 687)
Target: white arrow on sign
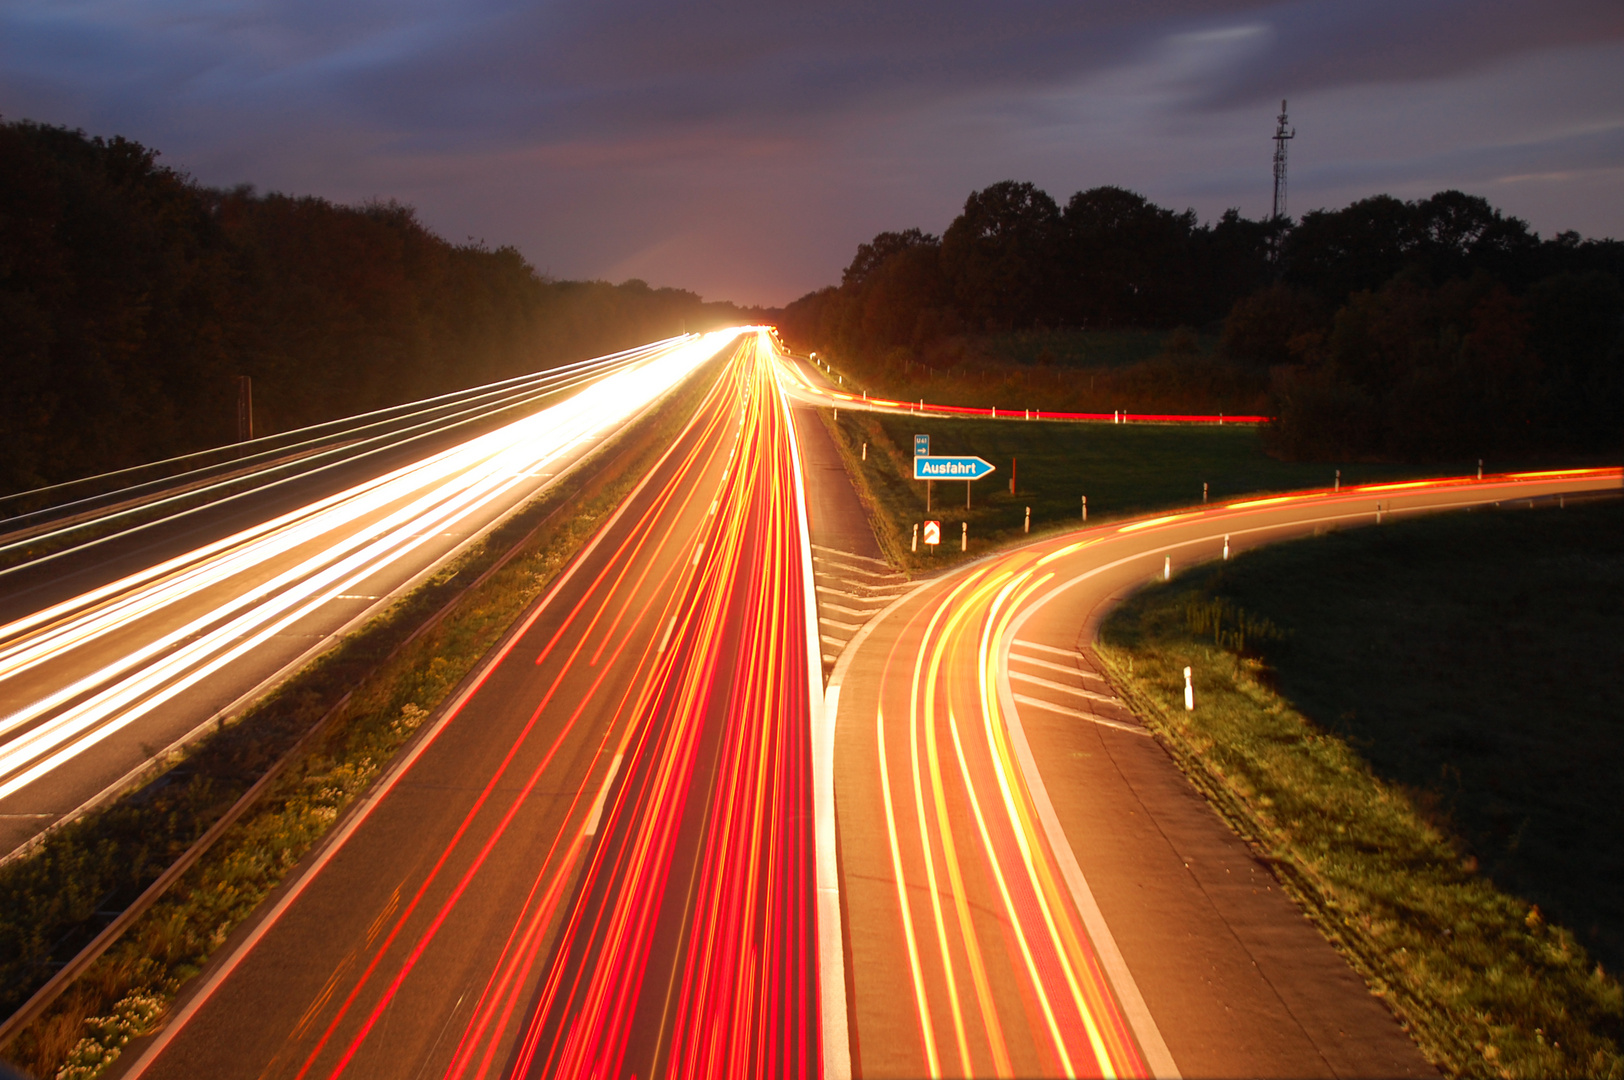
(933, 532)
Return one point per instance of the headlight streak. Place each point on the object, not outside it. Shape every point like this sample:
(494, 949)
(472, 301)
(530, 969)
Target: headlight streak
(1072, 1025)
(682, 929)
(278, 470)
(419, 502)
(721, 757)
(958, 638)
(553, 874)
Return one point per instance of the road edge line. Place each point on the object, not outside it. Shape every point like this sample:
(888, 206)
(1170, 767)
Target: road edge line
(834, 1024)
(402, 763)
(1157, 1056)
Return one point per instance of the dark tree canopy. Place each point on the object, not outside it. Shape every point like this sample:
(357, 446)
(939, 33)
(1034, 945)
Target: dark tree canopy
(1414, 329)
(131, 298)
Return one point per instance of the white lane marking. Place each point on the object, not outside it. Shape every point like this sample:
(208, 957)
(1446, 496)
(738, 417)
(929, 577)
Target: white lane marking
(603, 793)
(1062, 668)
(849, 568)
(1072, 653)
(1093, 718)
(851, 555)
(1050, 684)
(848, 611)
(665, 638)
(398, 768)
(838, 625)
(835, 1028)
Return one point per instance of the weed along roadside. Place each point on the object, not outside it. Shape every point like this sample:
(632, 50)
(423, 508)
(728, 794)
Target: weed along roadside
(1413, 726)
(371, 695)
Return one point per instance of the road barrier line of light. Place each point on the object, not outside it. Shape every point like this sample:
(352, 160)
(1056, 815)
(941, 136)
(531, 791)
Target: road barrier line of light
(492, 464)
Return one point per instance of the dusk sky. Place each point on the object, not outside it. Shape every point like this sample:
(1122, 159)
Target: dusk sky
(743, 148)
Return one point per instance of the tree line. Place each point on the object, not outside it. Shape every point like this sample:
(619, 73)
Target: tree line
(1429, 328)
(132, 297)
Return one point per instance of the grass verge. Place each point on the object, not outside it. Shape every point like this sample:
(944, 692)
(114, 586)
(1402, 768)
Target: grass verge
(1398, 699)
(1122, 469)
(49, 901)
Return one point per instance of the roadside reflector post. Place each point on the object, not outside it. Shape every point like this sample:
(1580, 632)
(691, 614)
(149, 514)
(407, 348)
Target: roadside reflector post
(1226, 545)
(837, 417)
(1167, 569)
(865, 451)
(916, 536)
(1338, 481)
(1085, 507)
(1028, 527)
(1480, 468)
(1220, 419)
(964, 537)
(1203, 491)
(1189, 692)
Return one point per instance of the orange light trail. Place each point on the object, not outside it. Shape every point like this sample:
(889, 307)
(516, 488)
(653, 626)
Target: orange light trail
(690, 949)
(965, 843)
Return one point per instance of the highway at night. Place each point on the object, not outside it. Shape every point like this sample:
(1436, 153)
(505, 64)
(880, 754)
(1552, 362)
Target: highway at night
(123, 646)
(1031, 887)
(600, 858)
(671, 827)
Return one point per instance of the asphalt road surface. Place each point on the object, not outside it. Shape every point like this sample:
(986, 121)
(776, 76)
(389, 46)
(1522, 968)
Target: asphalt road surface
(1030, 886)
(612, 852)
(111, 655)
(599, 857)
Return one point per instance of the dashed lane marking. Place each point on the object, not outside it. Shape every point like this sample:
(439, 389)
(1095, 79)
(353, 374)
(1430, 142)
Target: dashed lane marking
(1050, 684)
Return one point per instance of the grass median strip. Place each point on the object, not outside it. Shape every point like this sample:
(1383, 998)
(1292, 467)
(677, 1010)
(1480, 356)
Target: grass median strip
(395, 674)
(1414, 725)
(1122, 469)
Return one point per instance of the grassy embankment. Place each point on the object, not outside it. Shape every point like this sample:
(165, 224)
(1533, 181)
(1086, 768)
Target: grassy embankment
(1145, 371)
(1428, 751)
(49, 900)
(1123, 469)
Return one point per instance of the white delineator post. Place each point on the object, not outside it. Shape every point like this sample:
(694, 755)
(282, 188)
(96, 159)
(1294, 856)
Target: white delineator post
(1226, 545)
(1338, 486)
(916, 536)
(964, 537)
(1085, 507)
(1189, 693)
(1028, 526)
(1167, 569)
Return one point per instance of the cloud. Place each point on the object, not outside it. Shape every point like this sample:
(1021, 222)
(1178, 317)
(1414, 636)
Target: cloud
(628, 136)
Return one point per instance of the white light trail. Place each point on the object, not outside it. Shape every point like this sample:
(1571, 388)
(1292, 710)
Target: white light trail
(418, 503)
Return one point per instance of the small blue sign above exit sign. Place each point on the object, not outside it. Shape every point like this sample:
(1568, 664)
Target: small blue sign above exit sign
(921, 446)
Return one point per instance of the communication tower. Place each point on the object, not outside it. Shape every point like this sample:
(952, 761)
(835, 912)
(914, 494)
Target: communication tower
(1281, 134)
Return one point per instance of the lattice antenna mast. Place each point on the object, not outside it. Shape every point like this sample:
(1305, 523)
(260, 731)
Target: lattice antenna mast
(1281, 134)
